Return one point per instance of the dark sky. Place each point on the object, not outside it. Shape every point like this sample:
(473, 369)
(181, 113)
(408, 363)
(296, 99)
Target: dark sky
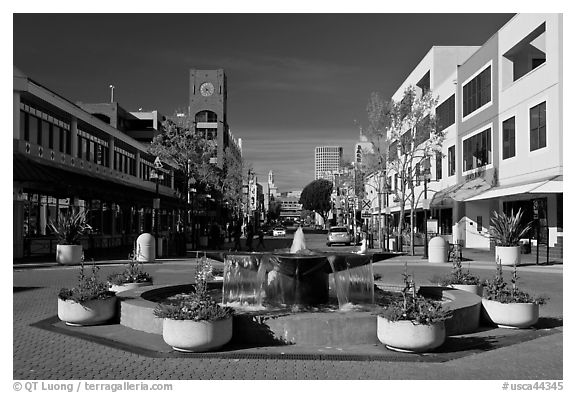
(295, 81)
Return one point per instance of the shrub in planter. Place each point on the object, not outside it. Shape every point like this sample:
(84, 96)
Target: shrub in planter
(132, 277)
(412, 323)
(69, 228)
(88, 303)
(506, 232)
(195, 322)
(506, 305)
(460, 279)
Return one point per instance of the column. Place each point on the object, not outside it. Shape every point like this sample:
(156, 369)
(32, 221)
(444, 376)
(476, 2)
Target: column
(16, 120)
(458, 222)
(74, 137)
(138, 164)
(111, 144)
(18, 223)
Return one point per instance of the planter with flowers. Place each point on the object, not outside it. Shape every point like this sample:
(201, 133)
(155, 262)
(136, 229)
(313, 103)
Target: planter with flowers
(69, 227)
(506, 305)
(88, 303)
(507, 231)
(132, 277)
(460, 279)
(412, 323)
(194, 322)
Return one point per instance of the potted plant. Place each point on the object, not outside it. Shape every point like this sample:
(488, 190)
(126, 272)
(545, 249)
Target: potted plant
(195, 322)
(508, 306)
(132, 277)
(412, 323)
(88, 303)
(69, 227)
(506, 231)
(460, 279)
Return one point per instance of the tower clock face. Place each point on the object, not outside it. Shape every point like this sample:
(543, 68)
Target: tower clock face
(206, 89)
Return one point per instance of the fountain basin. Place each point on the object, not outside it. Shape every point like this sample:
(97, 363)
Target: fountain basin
(322, 328)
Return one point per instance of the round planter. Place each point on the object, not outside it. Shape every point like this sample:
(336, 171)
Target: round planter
(92, 312)
(405, 336)
(128, 286)
(192, 336)
(475, 289)
(510, 315)
(69, 254)
(508, 256)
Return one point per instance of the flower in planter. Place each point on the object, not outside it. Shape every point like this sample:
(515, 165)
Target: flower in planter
(133, 273)
(88, 288)
(414, 307)
(198, 305)
(497, 289)
(458, 276)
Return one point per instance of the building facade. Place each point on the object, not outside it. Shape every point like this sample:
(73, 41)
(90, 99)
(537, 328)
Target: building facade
(327, 162)
(65, 156)
(500, 107)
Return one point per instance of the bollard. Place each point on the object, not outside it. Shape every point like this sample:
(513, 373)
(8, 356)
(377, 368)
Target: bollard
(437, 250)
(147, 248)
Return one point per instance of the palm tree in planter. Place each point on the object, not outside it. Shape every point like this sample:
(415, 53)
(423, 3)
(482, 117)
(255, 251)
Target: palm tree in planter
(69, 227)
(412, 323)
(88, 303)
(460, 279)
(132, 277)
(195, 322)
(507, 306)
(506, 231)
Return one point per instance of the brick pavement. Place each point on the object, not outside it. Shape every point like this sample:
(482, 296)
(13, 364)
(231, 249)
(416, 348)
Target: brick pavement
(40, 354)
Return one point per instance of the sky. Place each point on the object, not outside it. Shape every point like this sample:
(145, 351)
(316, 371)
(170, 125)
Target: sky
(295, 81)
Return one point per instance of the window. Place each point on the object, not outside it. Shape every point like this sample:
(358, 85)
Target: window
(50, 136)
(438, 165)
(206, 117)
(477, 150)
(477, 92)
(445, 114)
(538, 127)
(451, 160)
(422, 133)
(508, 138)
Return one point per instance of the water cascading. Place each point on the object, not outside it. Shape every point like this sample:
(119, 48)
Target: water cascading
(300, 277)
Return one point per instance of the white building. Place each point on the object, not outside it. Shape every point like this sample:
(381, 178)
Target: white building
(500, 106)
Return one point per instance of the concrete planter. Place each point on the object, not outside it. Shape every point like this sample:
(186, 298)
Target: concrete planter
(406, 336)
(192, 336)
(128, 286)
(475, 289)
(92, 312)
(508, 256)
(69, 254)
(510, 315)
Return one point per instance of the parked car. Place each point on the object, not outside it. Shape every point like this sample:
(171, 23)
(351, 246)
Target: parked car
(338, 235)
(279, 231)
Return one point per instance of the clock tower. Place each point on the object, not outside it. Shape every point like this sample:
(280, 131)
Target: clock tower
(207, 107)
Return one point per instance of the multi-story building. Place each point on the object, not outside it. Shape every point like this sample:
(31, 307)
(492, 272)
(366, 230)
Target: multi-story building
(65, 156)
(500, 107)
(327, 161)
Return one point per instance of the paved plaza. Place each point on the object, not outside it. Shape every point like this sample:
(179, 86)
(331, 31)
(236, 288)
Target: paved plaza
(43, 354)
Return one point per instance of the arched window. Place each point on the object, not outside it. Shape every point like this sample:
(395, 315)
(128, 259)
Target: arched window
(206, 117)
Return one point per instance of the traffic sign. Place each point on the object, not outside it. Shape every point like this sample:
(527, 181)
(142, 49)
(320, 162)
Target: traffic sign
(366, 205)
(158, 163)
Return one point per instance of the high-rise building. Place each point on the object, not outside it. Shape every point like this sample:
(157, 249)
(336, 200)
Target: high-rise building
(327, 162)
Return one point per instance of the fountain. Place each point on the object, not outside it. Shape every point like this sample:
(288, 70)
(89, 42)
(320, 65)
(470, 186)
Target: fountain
(298, 278)
(299, 296)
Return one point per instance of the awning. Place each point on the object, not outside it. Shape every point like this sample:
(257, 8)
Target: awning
(553, 185)
(460, 192)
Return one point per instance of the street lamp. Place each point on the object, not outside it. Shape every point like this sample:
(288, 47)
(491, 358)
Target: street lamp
(111, 93)
(426, 203)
